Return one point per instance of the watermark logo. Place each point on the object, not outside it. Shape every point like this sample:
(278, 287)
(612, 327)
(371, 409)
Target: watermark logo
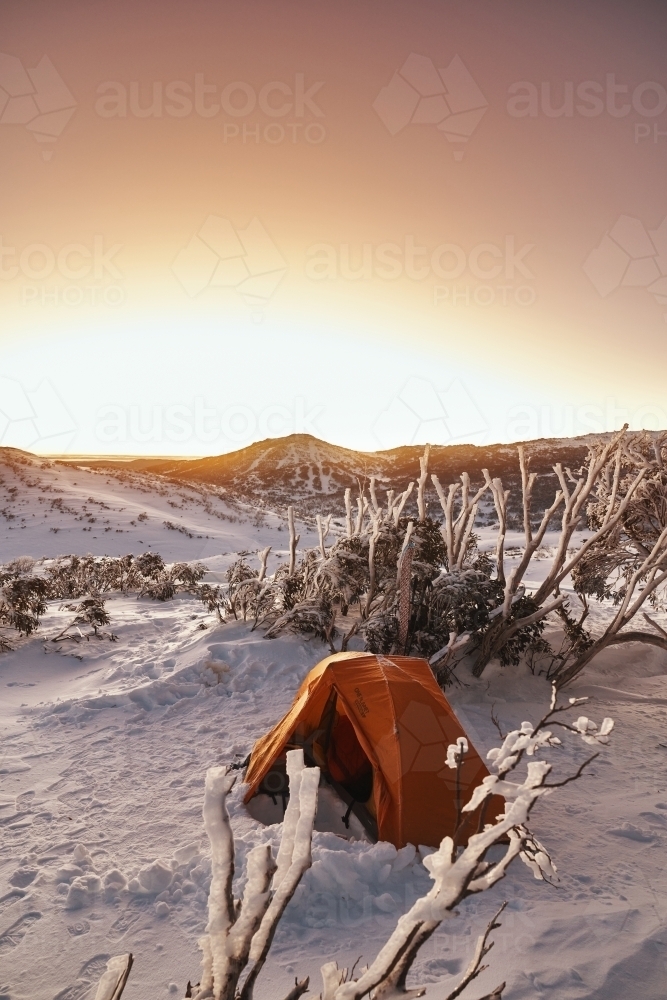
(528, 421)
(421, 412)
(219, 256)
(420, 94)
(274, 113)
(629, 256)
(36, 419)
(180, 423)
(37, 98)
(500, 270)
(587, 99)
(82, 275)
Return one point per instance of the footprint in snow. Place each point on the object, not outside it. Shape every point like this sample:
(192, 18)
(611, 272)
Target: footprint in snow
(11, 897)
(14, 934)
(79, 928)
(122, 924)
(631, 832)
(89, 973)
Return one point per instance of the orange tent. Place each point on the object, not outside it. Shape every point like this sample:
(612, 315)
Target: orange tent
(379, 727)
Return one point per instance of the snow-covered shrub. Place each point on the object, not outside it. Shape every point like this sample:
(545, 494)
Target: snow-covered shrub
(164, 583)
(22, 602)
(147, 574)
(421, 587)
(364, 570)
(91, 613)
(26, 586)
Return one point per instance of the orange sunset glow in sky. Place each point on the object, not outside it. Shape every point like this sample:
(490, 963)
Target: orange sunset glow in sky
(377, 222)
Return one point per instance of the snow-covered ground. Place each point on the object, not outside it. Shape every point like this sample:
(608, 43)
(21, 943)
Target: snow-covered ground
(102, 762)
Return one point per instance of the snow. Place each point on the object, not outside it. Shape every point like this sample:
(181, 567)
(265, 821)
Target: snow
(105, 748)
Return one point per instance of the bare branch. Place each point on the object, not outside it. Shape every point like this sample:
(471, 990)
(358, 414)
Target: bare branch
(298, 989)
(481, 950)
(572, 777)
(655, 625)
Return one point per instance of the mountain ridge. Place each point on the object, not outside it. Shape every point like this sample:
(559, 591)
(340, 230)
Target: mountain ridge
(312, 474)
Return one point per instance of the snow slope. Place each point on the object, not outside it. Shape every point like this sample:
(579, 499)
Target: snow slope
(102, 761)
(49, 508)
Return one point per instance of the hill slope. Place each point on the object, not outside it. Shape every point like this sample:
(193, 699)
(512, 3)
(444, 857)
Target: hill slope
(313, 474)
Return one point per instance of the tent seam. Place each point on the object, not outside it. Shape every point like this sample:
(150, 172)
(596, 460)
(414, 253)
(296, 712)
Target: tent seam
(398, 743)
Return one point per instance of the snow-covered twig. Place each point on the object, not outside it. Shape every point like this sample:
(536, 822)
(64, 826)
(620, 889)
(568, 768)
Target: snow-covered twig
(322, 532)
(500, 498)
(400, 503)
(263, 557)
(348, 512)
(240, 932)
(421, 483)
(456, 530)
(294, 858)
(293, 540)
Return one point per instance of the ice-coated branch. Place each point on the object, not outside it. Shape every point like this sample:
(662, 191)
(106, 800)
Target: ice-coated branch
(348, 511)
(455, 756)
(603, 471)
(373, 493)
(294, 858)
(527, 483)
(263, 557)
(114, 979)
(440, 660)
(535, 617)
(649, 576)
(371, 564)
(299, 988)
(240, 933)
(561, 565)
(390, 505)
(500, 498)
(218, 785)
(421, 483)
(293, 539)
(456, 530)
(323, 527)
(404, 580)
(655, 625)
(400, 504)
(362, 504)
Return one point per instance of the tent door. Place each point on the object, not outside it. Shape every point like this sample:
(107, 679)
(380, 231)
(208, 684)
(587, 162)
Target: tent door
(358, 808)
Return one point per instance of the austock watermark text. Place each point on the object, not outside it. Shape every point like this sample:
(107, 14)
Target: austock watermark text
(500, 267)
(73, 274)
(196, 421)
(273, 113)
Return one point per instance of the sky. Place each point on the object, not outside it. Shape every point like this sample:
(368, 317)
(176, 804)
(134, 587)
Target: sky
(380, 222)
